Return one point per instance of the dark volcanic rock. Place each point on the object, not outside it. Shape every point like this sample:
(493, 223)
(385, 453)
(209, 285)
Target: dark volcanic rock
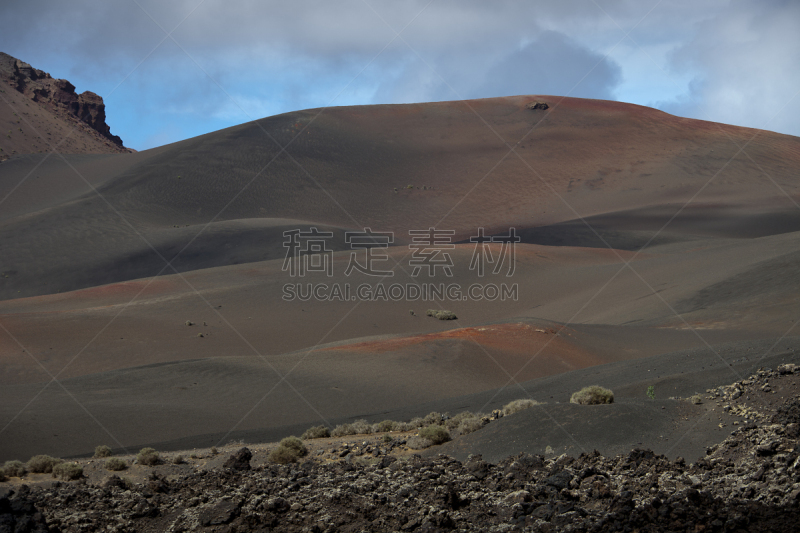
(56, 94)
(748, 482)
(538, 105)
(239, 460)
(19, 515)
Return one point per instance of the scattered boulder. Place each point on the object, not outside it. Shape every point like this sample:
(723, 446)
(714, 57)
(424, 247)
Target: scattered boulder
(537, 105)
(441, 314)
(239, 460)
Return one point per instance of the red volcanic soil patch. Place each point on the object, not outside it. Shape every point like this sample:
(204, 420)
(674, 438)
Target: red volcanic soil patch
(525, 351)
(500, 336)
(101, 296)
(130, 289)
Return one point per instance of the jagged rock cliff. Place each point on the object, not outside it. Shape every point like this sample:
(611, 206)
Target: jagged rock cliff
(58, 96)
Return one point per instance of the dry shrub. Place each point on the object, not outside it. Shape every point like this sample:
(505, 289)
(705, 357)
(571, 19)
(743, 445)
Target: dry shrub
(416, 422)
(148, 456)
(342, 430)
(289, 450)
(102, 451)
(435, 434)
(517, 406)
(42, 464)
(468, 425)
(383, 427)
(441, 314)
(115, 464)
(455, 422)
(316, 432)
(359, 427)
(283, 455)
(592, 395)
(14, 468)
(433, 418)
(419, 443)
(68, 471)
(293, 443)
(362, 427)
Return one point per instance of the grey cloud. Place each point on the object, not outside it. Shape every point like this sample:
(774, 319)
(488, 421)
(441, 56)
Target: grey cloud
(745, 63)
(301, 53)
(553, 64)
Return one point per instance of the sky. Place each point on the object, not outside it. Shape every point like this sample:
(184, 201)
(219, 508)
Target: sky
(171, 70)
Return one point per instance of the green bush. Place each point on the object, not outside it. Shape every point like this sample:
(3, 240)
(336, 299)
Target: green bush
(42, 464)
(517, 405)
(14, 468)
(651, 392)
(102, 451)
(435, 434)
(592, 395)
(316, 432)
(68, 471)
(289, 450)
(148, 456)
(115, 464)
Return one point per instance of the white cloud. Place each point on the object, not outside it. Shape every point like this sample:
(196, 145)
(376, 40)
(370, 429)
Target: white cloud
(701, 59)
(744, 65)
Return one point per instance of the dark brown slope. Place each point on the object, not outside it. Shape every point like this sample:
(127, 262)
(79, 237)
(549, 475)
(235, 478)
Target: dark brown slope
(342, 166)
(39, 113)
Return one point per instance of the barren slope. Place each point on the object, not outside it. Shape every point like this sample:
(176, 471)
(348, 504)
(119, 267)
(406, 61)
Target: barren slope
(609, 251)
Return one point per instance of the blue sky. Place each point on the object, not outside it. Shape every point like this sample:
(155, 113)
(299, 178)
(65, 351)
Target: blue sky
(172, 70)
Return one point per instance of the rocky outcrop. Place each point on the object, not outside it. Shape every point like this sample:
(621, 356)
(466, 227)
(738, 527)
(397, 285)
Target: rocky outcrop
(240, 460)
(19, 515)
(538, 105)
(57, 95)
(750, 482)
